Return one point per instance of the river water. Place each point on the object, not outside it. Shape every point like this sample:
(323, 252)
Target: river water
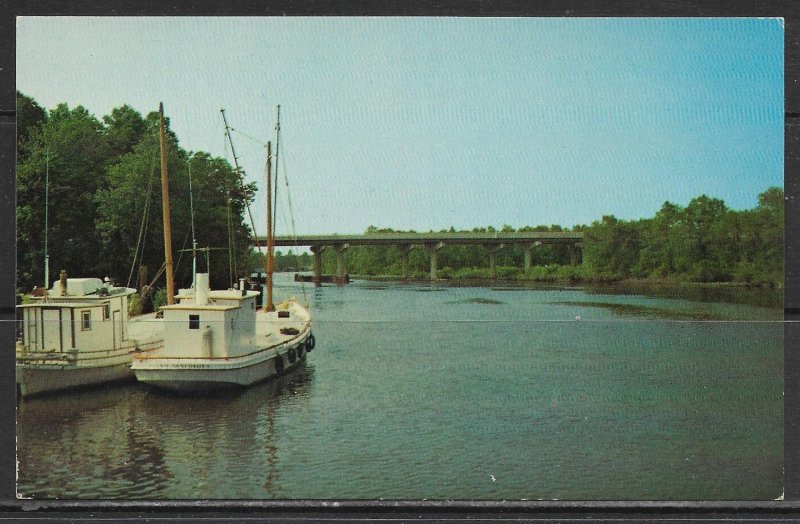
(417, 391)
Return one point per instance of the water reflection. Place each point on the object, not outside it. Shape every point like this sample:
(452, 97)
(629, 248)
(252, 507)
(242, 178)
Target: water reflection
(132, 442)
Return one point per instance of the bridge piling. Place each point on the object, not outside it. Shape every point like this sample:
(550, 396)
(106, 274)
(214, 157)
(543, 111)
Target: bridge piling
(404, 250)
(317, 250)
(573, 254)
(493, 249)
(433, 249)
(526, 251)
(341, 269)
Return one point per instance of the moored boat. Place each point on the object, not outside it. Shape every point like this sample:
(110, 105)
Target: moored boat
(79, 334)
(218, 340)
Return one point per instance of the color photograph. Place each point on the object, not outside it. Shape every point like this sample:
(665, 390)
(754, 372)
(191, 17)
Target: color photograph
(400, 258)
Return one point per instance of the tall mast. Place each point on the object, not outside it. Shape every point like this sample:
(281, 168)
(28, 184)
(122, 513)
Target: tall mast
(194, 238)
(165, 207)
(269, 261)
(46, 220)
(277, 173)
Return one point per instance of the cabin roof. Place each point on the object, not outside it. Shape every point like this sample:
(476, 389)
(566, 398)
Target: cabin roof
(225, 294)
(193, 307)
(65, 305)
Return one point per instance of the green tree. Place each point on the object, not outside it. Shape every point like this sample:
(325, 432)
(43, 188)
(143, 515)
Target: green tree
(125, 128)
(611, 246)
(70, 145)
(30, 119)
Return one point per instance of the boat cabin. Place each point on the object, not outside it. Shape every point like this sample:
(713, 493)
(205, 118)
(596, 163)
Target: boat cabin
(78, 314)
(210, 324)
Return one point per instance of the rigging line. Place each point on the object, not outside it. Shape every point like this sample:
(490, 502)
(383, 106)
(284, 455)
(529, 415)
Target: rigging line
(231, 262)
(289, 200)
(250, 137)
(183, 248)
(144, 217)
(228, 217)
(241, 182)
(277, 152)
(294, 229)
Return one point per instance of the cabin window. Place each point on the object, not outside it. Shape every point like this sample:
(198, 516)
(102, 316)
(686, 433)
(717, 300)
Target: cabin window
(194, 321)
(106, 311)
(86, 320)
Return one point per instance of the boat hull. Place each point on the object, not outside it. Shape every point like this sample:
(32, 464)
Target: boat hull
(196, 375)
(201, 377)
(35, 376)
(37, 380)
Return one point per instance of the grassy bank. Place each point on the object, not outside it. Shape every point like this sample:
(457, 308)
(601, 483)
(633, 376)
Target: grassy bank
(571, 275)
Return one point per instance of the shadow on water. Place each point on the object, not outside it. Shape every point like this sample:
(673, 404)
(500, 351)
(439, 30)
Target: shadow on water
(645, 311)
(732, 294)
(477, 300)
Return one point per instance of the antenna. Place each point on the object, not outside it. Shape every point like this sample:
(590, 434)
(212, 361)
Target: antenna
(277, 151)
(46, 220)
(191, 215)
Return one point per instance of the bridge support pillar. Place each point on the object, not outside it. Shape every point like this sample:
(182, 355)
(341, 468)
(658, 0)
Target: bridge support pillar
(574, 253)
(341, 268)
(317, 250)
(493, 249)
(433, 249)
(404, 250)
(526, 251)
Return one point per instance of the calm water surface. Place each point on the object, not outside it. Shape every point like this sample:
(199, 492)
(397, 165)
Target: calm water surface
(428, 392)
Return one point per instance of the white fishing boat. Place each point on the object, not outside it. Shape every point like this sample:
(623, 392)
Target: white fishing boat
(220, 339)
(79, 334)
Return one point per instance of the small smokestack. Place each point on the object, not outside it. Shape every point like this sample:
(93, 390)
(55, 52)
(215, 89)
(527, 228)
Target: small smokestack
(241, 287)
(201, 289)
(62, 280)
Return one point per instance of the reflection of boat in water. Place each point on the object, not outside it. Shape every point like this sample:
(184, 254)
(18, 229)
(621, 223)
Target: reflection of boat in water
(125, 443)
(79, 334)
(218, 339)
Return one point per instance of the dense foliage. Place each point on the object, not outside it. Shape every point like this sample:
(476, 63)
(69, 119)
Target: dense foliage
(703, 242)
(105, 196)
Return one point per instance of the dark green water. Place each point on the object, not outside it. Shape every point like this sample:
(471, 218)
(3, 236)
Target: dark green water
(450, 393)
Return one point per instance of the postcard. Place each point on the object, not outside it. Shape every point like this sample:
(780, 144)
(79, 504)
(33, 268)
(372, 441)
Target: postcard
(389, 258)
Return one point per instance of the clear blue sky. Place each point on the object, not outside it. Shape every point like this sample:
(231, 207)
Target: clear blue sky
(428, 123)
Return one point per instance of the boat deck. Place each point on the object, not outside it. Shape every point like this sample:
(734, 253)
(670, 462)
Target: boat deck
(145, 328)
(269, 326)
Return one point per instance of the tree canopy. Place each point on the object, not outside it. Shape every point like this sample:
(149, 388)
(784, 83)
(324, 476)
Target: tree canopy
(104, 198)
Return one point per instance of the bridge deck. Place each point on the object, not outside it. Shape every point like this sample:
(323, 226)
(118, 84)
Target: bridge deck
(544, 237)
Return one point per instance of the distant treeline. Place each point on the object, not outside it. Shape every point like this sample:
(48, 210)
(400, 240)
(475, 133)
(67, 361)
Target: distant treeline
(702, 242)
(105, 198)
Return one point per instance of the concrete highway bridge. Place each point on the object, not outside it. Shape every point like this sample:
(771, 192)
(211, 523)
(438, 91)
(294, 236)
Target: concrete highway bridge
(432, 243)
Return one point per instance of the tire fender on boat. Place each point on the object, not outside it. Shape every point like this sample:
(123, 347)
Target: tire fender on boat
(310, 342)
(278, 364)
(301, 350)
(292, 355)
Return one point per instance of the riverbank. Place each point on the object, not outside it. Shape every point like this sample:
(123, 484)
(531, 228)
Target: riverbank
(728, 292)
(570, 282)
